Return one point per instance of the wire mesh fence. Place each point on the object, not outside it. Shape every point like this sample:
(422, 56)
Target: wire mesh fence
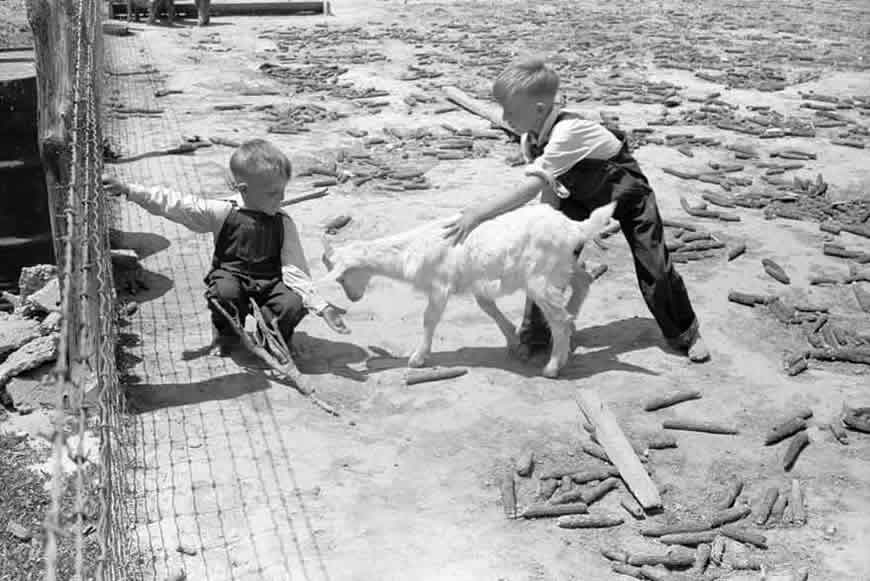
(87, 523)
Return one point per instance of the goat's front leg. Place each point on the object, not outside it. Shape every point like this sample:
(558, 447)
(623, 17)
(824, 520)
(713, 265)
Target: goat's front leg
(431, 317)
(488, 306)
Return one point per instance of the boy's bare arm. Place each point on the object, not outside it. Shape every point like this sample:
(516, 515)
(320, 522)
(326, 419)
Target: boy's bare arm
(549, 196)
(512, 199)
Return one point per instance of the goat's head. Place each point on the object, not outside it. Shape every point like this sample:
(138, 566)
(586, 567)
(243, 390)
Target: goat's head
(346, 267)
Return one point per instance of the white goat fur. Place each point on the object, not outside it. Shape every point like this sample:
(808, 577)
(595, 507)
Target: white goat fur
(534, 248)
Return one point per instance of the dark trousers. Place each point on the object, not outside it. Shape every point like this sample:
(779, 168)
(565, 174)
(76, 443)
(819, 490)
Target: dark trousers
(233, 292)
(662, 287)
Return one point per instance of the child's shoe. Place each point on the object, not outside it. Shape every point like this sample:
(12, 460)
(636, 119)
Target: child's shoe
(697, 350)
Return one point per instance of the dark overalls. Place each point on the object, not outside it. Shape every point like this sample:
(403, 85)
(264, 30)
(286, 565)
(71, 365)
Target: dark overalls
(247, 264)
(592, 183)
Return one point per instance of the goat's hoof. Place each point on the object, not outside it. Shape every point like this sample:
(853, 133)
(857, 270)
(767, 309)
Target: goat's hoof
(551, 370)
(416, 360)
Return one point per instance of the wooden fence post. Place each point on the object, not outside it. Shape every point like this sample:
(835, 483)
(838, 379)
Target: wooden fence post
(52, 24)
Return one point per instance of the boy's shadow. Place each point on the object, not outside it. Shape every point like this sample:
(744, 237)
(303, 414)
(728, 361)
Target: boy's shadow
(605, 343)
(312, 356)
(143, 398)
(144, 244)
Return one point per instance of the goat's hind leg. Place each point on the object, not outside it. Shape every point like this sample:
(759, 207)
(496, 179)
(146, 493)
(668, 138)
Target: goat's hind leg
(431, 317)
(581, 280)
(488, 306)
(552, 304)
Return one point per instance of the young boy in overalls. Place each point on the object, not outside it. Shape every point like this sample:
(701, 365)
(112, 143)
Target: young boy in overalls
(579, 165)
(257, 251)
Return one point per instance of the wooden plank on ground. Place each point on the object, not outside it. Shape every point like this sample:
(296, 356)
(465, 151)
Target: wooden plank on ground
(611, 437)
(235, 8)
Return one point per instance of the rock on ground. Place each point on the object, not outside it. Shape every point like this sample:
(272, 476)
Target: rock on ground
(31, 355)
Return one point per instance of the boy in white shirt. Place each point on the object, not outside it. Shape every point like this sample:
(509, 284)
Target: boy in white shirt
(579, 165)
(257, 252)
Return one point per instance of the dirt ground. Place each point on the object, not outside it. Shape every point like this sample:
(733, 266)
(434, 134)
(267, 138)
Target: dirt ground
(405, 485)
(14, 29)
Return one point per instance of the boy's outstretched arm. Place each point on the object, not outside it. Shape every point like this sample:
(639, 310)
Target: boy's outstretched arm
(472, 217)
(194, 212)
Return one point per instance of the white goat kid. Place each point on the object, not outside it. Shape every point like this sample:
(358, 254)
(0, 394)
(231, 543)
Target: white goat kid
(534, 248)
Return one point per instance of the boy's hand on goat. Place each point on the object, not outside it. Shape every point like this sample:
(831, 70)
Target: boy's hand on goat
(460, 228)
(332, 315)
(114, 186)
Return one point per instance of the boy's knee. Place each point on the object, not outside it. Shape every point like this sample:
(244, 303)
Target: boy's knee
(225, 288)
(288, 307)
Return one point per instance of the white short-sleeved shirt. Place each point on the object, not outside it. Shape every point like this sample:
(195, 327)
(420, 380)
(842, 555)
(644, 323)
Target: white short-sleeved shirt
(566, 141)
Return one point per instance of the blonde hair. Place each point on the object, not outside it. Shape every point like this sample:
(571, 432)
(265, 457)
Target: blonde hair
(530, 76)
(261, 158)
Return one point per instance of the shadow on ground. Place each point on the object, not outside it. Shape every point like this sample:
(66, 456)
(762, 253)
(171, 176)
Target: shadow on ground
(145, 244)
(143, 398)
(604, 342)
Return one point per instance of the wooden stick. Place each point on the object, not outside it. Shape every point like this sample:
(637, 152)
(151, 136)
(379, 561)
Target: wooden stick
(735, 487)
(595, 451)
(287, 370)
(541, 510)
(744, 536)
(305, 197)
(698, 426)
(717, 550)
(762, 512)
(702, 558)
(661, 441)
(851, 355)
(525, 464)
(632, 507)
(782, 431)
(840, 433)
(614, 555)
(729, 515)
(546, 488)
(670, 399)
(589, 521)
(599, 491)
(415, 377)
(508, 493)
(689, 539)
(568, 496)
(748, 299)
(778, 508)
(626, 569)
(676, 558)
(775, 271)
(736, 251)
(476, 107)
(794, 449)
(619, 449)
(659, 530)
(796, 501)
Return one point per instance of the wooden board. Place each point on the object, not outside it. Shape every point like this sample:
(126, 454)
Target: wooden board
(611, 437)
(17, 64)
(233, 8)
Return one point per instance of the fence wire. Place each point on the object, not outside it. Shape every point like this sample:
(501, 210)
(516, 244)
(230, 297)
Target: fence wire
(88, 521)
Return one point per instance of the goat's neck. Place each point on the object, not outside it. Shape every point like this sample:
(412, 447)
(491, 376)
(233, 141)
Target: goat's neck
(385, 256)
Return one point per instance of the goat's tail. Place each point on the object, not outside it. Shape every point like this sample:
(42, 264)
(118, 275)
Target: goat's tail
(597, 222)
